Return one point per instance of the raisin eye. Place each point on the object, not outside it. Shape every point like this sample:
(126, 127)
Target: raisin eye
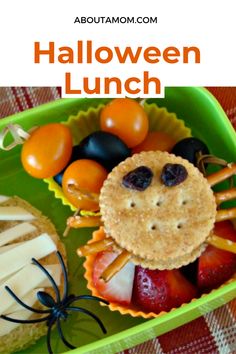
(139, 179)
(173, 174)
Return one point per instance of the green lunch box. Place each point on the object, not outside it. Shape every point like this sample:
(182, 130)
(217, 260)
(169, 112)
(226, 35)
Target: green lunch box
(207, 120)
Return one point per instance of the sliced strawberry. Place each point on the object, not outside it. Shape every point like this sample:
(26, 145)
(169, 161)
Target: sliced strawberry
(216, 266)
(119, 288)
(156, 291)
(226, 230)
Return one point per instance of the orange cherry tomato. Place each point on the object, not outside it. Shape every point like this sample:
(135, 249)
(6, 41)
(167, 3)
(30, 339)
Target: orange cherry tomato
(125, 118)
(47, 151)
(155, 141)
(86, 176)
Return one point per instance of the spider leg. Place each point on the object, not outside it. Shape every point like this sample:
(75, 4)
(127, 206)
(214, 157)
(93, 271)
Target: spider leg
(95, 247)
(226, 214)
(65, 276)
(15, 320)
(50, 324)
(84, 221)
(221, 175)
(225, 195)
(86, 297)
(62, 335)
(23, 304)
(119, 262)
(44, 270)
(222, 243)
(87, 312)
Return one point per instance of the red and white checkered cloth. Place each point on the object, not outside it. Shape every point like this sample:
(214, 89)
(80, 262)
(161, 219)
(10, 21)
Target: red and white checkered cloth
(17, 99)
(211, 334)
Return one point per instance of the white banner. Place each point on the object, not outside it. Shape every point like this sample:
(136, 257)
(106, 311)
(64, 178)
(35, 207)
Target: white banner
(107, 48)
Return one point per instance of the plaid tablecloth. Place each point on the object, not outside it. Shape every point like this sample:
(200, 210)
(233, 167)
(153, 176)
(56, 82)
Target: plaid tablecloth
(213, 333)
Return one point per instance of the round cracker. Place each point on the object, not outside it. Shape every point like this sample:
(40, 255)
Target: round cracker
(160, 225)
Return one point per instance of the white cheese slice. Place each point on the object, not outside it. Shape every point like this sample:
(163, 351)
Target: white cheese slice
(29, 299)
(55, 270)
(3, 280)
(15, 232)
(18, 257)
(9, 247)
(6, 326)
(3, 198)
(14, 213)
(21, 283)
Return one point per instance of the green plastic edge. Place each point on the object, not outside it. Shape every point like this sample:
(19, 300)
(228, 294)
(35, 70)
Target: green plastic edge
(230, 128)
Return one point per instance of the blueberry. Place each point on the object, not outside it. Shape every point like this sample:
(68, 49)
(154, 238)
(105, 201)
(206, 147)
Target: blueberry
(188, 149)
(58, 177)
(103, 147)
(139, 179)
(173, 174)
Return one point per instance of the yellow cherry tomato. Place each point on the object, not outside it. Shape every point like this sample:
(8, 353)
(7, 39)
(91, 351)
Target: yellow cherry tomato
(125, 118)
(81, 180)
(47, 151)
(155, 141)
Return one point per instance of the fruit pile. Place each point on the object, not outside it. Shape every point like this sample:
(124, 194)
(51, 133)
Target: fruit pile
(155, 290)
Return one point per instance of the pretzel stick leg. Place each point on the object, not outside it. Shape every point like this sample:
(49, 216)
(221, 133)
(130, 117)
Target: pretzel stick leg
(95, 247)
(225, 195)
(67, 230)
(226, 214)
(83, 221)
(82, 194)
(222, 243)
(116, 265)
(221, 175)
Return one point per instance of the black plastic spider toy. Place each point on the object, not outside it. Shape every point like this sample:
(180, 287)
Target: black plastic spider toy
(57, 309)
